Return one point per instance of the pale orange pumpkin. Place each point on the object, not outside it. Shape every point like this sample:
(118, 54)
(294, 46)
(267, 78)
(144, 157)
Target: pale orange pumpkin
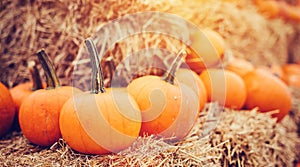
(191, 79)
(39, 112)
(100, 121)
(239, 66)
(7, 110)
(267, 92)
(207, 50)
(291, 74)
(225, 87)
(169, 108)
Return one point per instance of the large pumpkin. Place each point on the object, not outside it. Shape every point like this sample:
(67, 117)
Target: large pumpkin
(39, 112)
(7, 110)
(267, 92)
(169, 108)
(225, 87)
(101, 121)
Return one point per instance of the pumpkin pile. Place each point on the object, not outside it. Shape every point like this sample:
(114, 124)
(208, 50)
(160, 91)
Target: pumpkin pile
(156, 111)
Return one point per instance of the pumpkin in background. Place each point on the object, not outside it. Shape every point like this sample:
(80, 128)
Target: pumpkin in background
(291, 74)
(100, 121)
(39, 112)
(267, 92)
(273, 69)
(239, 66)
(207, 50)
(191, 79)
(225, 87)
(7, 110)
(169, 108)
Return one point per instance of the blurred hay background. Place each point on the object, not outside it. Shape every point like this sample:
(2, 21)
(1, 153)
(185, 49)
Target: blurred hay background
(241, 138)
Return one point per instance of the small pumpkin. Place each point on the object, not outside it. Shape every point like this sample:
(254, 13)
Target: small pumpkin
(274, 69)
(225, 87)
(291, 74)
(39, 112)
(239, 66)
(101, 121)
(7, 110)
(169, 108)
(191, 79)
(207, 50)
(267, 92)
(23, 90)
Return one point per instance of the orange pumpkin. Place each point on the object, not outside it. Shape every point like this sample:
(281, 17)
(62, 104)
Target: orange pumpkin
(225, 87)
(23, 90)
(207, 50)
(274, 69)
(7, 110)
(169, 108)
(291, 74)
(239, 66)
(101, 121)
(39, 112)
(267, 92)
(191, 79)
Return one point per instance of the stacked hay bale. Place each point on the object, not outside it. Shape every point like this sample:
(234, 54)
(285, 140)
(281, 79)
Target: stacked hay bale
(241, 138)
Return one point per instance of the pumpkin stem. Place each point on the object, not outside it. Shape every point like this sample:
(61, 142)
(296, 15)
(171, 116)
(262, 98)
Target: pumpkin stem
(169, 75)
(51, 78)
(35, 75)
(97, 76)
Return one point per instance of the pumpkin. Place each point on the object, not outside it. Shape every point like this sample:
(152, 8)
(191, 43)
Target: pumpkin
(7, 110)
(267, 92)
(239, 66)
(23, 90)
(169, 108)
(39, 112)
(225, 87)
(273, 69)
(191, 79)
(291, 74)
(101, 121)
(207, 50)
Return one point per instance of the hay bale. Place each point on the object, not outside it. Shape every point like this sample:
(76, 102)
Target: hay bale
(255, 140)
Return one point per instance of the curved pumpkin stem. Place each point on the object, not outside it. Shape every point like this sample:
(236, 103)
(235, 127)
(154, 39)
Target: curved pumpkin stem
(35, 75)
(169, 76)
(51, 78)
(97, 75)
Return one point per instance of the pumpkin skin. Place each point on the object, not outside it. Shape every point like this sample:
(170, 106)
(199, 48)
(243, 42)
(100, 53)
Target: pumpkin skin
(191, 79)
(21, 92)
(39, 112)
(168, 110)
(7, 110)
(267, 92)
(291, 74)
(207, 50)
(239, 66)
(233, 93)
(103, 123)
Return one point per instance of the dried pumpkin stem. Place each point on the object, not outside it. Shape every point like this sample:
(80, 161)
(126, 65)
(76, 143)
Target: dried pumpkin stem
(97, 76)
(51, 78)
(35, 75)
(169, 76)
